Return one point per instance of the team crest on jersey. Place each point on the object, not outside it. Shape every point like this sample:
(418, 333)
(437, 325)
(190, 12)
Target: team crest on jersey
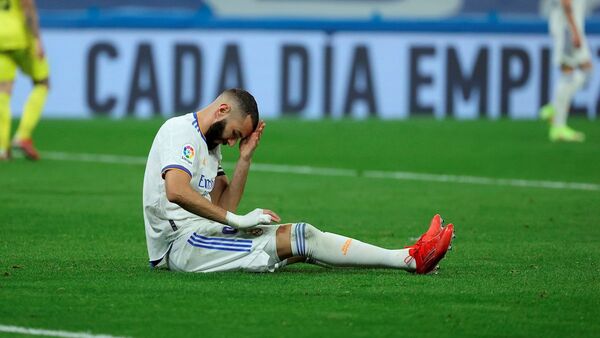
(188, 153)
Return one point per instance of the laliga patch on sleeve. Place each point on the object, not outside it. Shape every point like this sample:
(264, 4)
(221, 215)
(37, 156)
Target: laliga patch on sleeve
(188, 153)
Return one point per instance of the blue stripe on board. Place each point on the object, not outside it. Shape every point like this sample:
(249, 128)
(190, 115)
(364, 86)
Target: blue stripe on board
(241, 245)
(217, 248)
(223, 239)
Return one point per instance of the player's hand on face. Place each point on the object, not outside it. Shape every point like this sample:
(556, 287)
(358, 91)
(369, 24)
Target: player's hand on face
(249, 144)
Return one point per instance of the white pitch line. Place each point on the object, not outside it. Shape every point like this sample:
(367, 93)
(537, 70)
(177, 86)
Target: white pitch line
(400, 175)
(51, 333)
(303, 170)
(94, 158)
(322, 171)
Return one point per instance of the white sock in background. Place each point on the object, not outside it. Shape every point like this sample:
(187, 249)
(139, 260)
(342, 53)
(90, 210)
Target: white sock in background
(336, 250)
(568, 85)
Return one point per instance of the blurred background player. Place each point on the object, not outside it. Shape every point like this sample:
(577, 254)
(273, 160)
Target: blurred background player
(21, 46)
(571, 53)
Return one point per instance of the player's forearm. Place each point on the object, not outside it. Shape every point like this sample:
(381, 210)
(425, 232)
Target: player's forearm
(32, 18)
(232, 195)
(191, 201)
(196, 204)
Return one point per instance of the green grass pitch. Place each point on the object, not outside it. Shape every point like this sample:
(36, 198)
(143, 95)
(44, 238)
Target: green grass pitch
(525, 261)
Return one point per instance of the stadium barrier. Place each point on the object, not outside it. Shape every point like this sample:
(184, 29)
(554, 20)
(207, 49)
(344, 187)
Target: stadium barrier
(312, 74)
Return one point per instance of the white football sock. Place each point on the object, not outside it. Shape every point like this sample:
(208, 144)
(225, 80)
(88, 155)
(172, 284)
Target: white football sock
(568, 85)
(324, 248)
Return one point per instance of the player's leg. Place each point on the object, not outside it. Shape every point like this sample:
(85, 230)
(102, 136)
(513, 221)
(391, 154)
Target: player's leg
(5, 120)
(38, 70)
(570, 81)
(564, 91)
(572, 76)
(8, 69)
(560, 50)
(305, 240)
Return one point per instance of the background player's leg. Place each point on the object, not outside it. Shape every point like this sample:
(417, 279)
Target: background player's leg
(8, 71)
(305, 240)
(5, 115)
(32, 110)
(38, 69)
(586, 67)
(569, 82)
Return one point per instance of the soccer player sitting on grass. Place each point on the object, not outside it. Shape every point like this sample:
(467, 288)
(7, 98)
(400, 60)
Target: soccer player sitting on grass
(190, 205)
(20, 46)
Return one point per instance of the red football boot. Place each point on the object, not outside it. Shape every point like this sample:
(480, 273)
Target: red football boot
(428, 253)
(28, 149)
(435, 227)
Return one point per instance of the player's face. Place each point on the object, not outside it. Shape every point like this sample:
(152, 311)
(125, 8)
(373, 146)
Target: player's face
(228, 131)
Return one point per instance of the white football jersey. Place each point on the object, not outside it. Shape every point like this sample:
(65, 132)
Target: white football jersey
(178, 145)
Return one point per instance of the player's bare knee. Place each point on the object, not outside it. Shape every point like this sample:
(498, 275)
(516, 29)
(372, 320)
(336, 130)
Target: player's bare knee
(284, 230)
(6, 87)
(586, 67)
(566, 69)
(283, 241)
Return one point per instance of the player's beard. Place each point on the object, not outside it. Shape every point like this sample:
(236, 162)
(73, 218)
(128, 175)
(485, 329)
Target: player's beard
(214, 134)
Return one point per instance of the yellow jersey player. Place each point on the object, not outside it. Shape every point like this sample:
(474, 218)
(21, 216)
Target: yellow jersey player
(572, 54)
(21, 47)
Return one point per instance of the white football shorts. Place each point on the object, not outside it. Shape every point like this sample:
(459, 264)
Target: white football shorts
(210, 247)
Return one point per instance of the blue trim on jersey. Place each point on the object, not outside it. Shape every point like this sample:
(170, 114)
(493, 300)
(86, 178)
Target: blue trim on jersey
(217, 247)
(238, 240)
(197, 126)
(208, 242)
(175, 166)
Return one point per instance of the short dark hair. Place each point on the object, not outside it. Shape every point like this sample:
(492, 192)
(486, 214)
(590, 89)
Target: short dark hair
(247, 104)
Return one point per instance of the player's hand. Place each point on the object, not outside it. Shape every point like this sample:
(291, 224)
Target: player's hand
(576, 40)
(251, 219)
(250, 143)
(274, 217)
(39, 48)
